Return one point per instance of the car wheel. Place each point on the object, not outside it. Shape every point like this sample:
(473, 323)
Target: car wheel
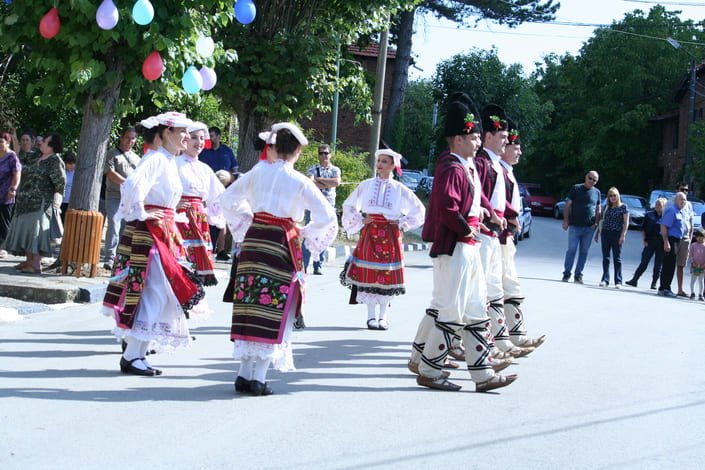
(555, 213)
(528, 233)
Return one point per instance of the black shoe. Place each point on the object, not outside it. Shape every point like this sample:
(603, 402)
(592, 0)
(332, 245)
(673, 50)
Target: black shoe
(631, 282)
(156, 371)
(123, 345)
(126, 367)
(317, 271)
(223, 256)
(566, 278)
(242, 385)
(108, 266)
(578, 279)
(653, 286)
(259, 389)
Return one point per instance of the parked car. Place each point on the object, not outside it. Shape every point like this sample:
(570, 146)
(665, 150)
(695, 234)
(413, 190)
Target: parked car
(637, 207)
(423, 189)
(657, 193)
(558, 209)
(698, 210)
(537, 199)
(410, 179)
(525, 219)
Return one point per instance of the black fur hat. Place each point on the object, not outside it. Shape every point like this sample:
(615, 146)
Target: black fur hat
(459, 119)
(494, 118)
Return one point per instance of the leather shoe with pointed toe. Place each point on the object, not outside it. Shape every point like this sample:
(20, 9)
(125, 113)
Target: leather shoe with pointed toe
(457, 353)
(127, 367)
(242, 385)
(414, 369)
(259, 389)
(500, 364)
(519, 351)
(440, 383)
(498, 381)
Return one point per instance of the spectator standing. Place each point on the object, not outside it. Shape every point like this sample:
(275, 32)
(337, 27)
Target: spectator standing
(10, 169)
(684, 244)
(70, 163)
(697, 263)
(653, 245)
(326, 177)
(580, 217)
(120, 163)
(673, 229)
(219, 157)
(26, 153)
(613, 230)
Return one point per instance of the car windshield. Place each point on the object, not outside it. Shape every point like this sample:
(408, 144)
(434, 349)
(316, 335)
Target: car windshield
(538, 192)
(411, 177)
(634, 202)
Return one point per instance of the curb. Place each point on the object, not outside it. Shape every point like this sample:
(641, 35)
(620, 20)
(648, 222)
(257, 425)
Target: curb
(344, 251)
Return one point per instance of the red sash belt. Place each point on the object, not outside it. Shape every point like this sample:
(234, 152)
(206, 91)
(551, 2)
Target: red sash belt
(196, 203)
(473, 221)
(292, 235)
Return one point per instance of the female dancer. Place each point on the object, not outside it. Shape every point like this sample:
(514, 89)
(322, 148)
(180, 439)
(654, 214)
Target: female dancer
(261, 208)
(379, 208)
(150, 289)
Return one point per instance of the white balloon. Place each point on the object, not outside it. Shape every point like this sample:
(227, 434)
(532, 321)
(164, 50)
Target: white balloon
(205, 46)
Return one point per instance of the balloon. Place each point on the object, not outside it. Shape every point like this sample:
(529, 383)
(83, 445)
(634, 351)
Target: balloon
(245, 11)
(205, 46)
(153, 66)
(107, 15)
(209, 78)
(143, 12)
(191, 81)
(8, 2)
(50, 24)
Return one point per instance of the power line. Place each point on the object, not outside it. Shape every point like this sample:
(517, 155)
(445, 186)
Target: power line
(683, 4)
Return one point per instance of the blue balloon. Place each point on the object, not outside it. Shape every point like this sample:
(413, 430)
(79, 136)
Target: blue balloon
(245, 11)
(8, 2)
(143, 12)
(192, 81)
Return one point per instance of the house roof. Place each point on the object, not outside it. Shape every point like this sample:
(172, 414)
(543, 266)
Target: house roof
(372, 50)
(683, 87)
(666, 116)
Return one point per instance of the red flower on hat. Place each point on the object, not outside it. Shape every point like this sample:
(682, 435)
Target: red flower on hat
(469, 124)
(496, 121)
(513, 136)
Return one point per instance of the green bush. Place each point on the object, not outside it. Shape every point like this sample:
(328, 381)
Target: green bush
(352, 164)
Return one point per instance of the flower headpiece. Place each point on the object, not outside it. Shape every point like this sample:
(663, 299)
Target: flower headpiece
(513, 136)
(497, 122)
(469, 122)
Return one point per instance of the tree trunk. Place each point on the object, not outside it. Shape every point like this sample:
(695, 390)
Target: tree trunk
(251, 124)
(98, 114)
(401, 73)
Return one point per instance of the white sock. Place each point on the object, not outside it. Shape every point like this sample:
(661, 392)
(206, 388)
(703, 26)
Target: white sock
(261, 366)
(134, 351)
(246, 368)
(383, 311)
(370, 311)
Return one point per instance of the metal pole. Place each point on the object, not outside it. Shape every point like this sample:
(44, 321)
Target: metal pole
(691, 121)
(432, 149)
(376, 130)
(336, 97)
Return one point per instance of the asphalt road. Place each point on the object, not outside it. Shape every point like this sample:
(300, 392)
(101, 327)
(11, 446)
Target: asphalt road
(619, 383)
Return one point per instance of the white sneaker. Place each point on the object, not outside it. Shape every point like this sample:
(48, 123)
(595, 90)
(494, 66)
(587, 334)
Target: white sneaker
(603, 284)
(618, 286)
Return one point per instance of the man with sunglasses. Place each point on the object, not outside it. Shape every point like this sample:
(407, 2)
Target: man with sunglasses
(581, 215)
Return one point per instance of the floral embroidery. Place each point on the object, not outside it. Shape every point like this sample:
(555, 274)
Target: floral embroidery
(256, 289)
(497, 122)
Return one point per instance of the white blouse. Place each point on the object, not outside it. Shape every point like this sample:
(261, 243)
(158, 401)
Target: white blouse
(281, 191)
(155, 182)
(387, 197)
(514, 203)
(199, 180)
(499, 195)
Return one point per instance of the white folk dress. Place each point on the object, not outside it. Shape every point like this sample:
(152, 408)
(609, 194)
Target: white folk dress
(281, 191)
(393, 201)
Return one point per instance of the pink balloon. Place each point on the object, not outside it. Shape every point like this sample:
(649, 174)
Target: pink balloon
(209, 78)
(153, 66)
(50, 24)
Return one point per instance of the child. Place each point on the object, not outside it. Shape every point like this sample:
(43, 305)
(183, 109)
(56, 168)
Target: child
(697, 263)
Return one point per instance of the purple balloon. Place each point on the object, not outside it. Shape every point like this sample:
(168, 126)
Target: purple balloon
(209, 78)
(107, 15)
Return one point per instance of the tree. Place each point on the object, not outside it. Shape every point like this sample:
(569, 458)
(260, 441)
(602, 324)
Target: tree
(99, 72)
(414, 134)
(509, 12)
(287, 58)
(604, 99)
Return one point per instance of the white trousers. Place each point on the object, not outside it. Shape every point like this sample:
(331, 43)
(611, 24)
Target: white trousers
(513, 297)
(491, 256)
(458, 309)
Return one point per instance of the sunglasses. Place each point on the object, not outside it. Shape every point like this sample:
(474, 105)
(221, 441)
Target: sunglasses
(612, 195)
(682, 190)
(592, 179)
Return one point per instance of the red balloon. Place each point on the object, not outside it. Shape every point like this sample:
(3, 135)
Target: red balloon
(50, 24)
(153, 66)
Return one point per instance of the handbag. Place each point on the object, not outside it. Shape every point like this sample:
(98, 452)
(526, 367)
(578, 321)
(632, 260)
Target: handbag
(56, 227)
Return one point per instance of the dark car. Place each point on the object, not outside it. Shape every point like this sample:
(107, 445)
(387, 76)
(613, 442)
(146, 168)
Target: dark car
(637, 206)
(423, 189)
(537, 199)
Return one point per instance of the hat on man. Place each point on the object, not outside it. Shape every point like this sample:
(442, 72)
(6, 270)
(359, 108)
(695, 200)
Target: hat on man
(295, 131)
(494, 118)
(513, 138)
(391, 153)
(459, 119)
(173, 119)
(197, 126)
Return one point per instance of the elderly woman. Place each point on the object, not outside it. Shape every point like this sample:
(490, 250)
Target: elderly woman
(262, 208)
(150, 290)
(41, 190)
(379, 208)
(653, 244)
(10, 168)
(613, 230)
(199, 202)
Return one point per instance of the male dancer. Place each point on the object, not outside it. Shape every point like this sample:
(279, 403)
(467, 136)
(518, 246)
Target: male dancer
(458, 307)
(513, 297)
(494, 200)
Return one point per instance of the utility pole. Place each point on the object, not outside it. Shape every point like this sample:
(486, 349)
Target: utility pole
(336, 97)
(376, 130)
